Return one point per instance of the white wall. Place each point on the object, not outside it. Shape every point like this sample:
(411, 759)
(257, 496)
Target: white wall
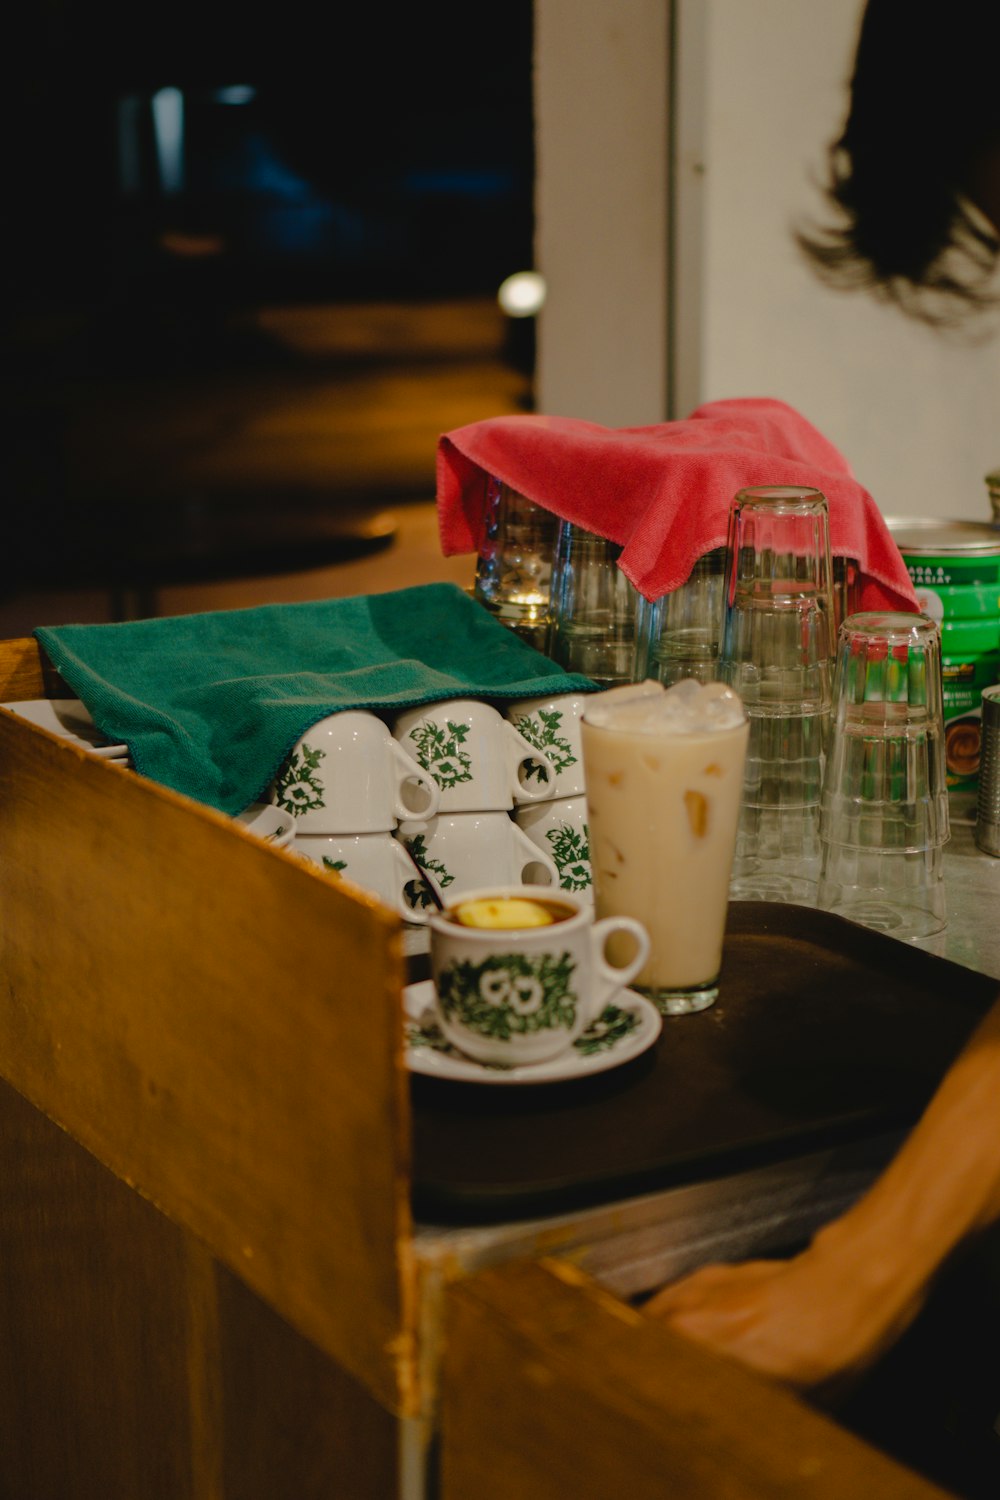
(762, 88)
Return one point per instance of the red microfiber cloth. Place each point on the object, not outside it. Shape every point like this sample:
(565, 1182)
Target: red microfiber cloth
(663, 493)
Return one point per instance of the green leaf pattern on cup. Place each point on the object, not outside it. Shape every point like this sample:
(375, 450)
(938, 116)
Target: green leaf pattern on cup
(611, 1028)
(417, 892)
(334, 864)
(440, 751)
(298, 791)
(542, 731)
(571, 852)
(510, 994)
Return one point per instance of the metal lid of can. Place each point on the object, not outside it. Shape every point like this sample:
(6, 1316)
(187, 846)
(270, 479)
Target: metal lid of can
(927, 536)
(991, 704)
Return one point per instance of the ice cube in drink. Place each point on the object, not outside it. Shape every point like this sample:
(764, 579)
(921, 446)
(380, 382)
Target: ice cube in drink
(664, 774)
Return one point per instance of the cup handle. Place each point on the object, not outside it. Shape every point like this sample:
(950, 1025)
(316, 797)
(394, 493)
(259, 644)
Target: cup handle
(531, 854)
(409, 770)
(410, 875)
(608, 978)
(538, 783)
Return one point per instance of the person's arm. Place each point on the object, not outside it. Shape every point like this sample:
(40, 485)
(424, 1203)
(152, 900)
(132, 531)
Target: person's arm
(833, 1309)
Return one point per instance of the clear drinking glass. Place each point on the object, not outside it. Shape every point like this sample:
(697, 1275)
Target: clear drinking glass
(678, 634)
(885, 797)
(593, 608)
(777, 652)
(846, 590)
(514, 568)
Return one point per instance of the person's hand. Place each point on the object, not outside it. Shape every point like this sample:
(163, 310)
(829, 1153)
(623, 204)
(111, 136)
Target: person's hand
(821, 1318)
(810, 1322)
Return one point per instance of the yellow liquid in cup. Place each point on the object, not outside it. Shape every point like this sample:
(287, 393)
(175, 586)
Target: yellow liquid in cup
(508, 913)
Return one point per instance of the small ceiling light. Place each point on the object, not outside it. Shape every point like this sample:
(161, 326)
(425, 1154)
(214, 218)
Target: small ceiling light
(522, 295)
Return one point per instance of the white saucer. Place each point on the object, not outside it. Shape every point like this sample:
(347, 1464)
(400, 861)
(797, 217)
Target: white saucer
(632, 1028)
(70, 720)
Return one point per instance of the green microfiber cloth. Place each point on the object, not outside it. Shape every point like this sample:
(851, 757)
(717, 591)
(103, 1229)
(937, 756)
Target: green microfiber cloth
(211, 704)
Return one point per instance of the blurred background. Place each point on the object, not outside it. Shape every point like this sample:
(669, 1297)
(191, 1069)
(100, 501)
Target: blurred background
(255, 259)
(255, 266)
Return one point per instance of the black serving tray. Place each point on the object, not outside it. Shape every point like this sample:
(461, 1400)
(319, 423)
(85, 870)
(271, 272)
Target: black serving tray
(824, 1033)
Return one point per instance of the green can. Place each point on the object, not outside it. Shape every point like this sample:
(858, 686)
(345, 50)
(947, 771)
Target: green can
(955, 568)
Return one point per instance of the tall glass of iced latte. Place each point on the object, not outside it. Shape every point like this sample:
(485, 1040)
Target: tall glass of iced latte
(664, 776)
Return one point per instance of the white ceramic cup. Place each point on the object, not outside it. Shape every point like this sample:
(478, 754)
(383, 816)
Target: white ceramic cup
(560, 828)
(374, 861)
(272, 824)
(478, 759)
(524, 995)
(467, 849)
(347, 774)
(553, 726)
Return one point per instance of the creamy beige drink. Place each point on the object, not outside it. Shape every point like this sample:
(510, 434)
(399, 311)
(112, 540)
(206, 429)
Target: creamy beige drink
(664, 774)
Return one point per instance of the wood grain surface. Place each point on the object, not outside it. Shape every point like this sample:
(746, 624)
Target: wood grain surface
(552, 1387)
(135, 1365)
(26, 672)
(220, 1025)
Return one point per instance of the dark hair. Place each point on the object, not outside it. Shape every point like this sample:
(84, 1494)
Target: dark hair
(924, 111)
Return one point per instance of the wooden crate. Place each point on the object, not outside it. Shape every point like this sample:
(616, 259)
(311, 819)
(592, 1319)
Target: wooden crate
(219, 1024)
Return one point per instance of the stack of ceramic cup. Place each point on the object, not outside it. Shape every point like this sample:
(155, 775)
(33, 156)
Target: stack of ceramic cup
(270, 824)
(348, 785)
(483, 769)
(559, 825)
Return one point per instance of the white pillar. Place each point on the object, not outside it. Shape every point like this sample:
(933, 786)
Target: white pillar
(601, 129)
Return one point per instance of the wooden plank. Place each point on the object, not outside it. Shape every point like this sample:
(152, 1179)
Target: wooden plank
(92, 1326)
(220, 1024)
(552, 1387)
(26, 672)
(135, 1365)
(296, 1426)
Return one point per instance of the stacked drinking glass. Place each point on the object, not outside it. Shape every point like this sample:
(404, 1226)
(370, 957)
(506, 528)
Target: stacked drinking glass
(885, 814)
(776, 651)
